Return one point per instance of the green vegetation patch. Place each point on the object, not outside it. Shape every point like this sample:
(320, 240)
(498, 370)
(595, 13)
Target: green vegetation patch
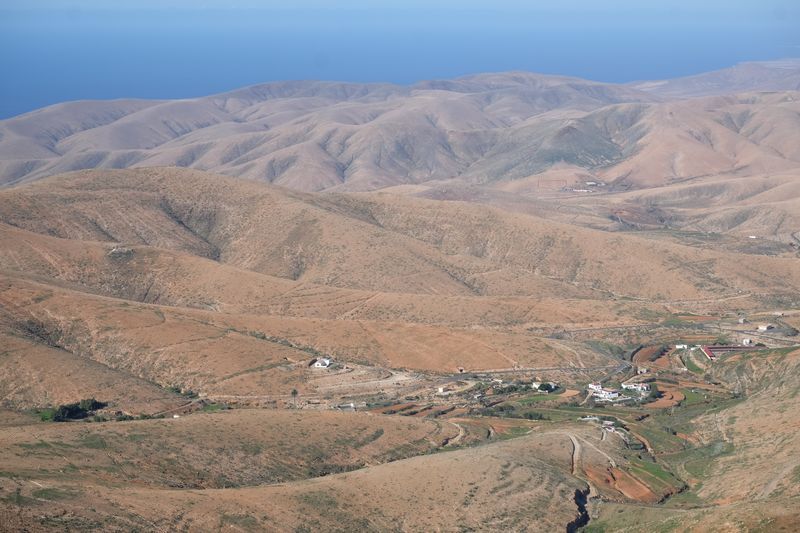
(214, 407)
(660, 439)
(372, 437)
(689, 363)
(692, 397)
(319, 500)
(514, 432)
(94, 441)
(698, 461)
(239, 521)
(796, 474)
(71, 411)
(647, 470)
(536, 398)
(54, 494)
(17, 498)
(252, 448)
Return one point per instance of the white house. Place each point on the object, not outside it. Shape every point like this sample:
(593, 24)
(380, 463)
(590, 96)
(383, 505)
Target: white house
(747, 342)
(322, 362)
(594, 387)
(606, 394)
(765, 327)
(681, 346)
(640, 387)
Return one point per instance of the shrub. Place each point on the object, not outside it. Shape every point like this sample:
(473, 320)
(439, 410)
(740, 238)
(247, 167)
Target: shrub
(91, 404)
(76, 411)
(654, 393)
(532, 415)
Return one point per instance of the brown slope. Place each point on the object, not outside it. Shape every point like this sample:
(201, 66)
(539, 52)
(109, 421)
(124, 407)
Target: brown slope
(739, 135)
(478, 129)
(153, 275)
(763, 456)
(764, 206)
(34, 375)
(620, 264)
(232, 448)
(230, 354)
(780, 75)
(307, 135)
(506, 486)
(381, 242)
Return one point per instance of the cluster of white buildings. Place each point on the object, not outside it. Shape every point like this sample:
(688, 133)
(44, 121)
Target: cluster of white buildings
(602, 394)
(609, 395)
(638, 387)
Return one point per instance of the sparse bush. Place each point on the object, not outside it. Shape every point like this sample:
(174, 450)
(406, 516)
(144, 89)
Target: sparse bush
(91, 404)
(654, 393)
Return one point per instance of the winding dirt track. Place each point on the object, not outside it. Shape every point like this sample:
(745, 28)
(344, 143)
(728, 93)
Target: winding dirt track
(576, 453)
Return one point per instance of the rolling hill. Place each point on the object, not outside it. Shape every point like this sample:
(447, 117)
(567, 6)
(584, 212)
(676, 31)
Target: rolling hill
(330, 306)
(488, 129)
(765, 76)
(380, 243)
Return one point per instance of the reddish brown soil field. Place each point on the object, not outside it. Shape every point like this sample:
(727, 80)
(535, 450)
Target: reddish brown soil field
(631, 487)
(669, 399)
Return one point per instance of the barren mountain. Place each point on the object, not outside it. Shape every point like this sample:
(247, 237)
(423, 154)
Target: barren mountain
(465, 262)
(766, 76)
(306, 135)
(381, 243)
(491, 129)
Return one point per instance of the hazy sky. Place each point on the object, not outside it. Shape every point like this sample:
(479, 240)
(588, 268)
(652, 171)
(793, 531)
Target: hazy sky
(57, 50)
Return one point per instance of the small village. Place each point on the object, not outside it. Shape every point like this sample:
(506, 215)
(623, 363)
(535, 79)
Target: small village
(650, 377)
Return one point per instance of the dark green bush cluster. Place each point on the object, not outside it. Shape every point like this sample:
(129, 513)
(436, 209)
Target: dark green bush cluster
(547, 387)
(72, 411)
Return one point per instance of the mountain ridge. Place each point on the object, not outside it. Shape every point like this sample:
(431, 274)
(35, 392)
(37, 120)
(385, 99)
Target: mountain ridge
(491, 129)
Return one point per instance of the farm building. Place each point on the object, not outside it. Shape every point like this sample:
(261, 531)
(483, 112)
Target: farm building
(322, 362)
(606, 394)
(765, 327)
(639, 387)
(712, 352)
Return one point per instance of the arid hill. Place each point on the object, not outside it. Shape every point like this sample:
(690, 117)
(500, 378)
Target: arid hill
(767, 76)
(416, 358)
(225, 287)
(489, 129)
(376, 243)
